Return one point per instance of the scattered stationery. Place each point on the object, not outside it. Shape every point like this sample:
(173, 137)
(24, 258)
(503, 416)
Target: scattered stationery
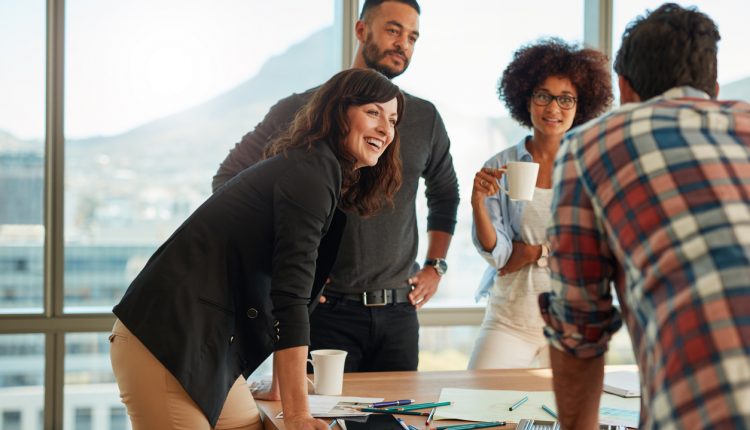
(518, 403)
(390, 403)
(494, 405)
(386, 411)
(430, 417)
(418, 406)
(333, 423)
(337, 406)
(403, 424)
(472, 426)
(549, 411)
(623, 383)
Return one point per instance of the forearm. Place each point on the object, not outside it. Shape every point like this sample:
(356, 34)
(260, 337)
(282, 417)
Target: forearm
(578, 385)
(438, 243)
(483, 224)
(290, 368)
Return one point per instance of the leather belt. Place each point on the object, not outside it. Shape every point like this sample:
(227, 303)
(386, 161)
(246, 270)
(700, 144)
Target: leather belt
(375, 297)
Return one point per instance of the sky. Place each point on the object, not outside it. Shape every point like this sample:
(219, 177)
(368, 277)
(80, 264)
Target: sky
(129, 62)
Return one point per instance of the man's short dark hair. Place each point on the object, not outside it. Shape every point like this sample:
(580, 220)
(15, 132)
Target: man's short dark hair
(369, 4)
(671, 46)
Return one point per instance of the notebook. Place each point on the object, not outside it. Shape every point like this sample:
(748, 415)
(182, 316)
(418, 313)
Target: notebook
(622, 383)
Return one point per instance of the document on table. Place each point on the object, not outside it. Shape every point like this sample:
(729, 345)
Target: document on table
(337, 406)
(493, 405)
(623, 383)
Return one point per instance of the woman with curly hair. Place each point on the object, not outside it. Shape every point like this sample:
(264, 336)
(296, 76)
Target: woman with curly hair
(549, 87)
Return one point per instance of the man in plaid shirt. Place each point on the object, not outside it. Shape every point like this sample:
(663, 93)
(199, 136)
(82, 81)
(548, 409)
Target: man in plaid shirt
(655, 198)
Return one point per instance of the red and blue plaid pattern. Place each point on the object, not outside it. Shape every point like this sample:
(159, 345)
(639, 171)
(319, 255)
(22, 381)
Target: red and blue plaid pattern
(655, 198)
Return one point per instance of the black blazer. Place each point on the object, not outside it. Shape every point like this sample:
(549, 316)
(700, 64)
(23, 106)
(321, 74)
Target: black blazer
(240, 276)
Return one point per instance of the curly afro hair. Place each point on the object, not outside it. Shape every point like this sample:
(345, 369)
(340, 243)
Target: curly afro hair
(587, 69)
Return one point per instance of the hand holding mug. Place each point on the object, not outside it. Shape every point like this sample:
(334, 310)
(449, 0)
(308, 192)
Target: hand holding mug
(486, 183)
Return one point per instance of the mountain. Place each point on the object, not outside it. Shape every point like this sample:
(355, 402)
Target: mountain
(737, 90)
(210, 129)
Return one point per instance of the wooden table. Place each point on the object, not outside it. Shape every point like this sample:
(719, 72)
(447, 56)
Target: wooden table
(425, 387)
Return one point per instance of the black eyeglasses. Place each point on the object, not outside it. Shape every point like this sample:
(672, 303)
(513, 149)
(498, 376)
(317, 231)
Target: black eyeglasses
(543, 99)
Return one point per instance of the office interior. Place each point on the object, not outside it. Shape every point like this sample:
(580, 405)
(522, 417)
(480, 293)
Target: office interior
(114, 116)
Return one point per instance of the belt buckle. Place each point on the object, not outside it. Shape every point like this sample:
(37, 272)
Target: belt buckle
(366, 303)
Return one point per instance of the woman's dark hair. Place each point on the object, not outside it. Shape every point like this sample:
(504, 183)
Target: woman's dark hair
(324, 119)
(670, 47)
(587, 69)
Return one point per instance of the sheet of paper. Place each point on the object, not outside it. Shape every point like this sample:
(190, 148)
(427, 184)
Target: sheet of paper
(336, 406)
(493, 405)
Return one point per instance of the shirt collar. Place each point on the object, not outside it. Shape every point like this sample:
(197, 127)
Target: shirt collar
(523, 153)
(683, 92)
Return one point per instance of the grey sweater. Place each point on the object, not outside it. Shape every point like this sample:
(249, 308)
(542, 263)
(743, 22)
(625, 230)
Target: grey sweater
(379, 251)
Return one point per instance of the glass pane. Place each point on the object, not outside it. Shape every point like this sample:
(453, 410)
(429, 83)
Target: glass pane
(21, 381)
(22, 84)
(92, 400)
(446, 348)
(150, 114)
(733, 67)
(461, 53)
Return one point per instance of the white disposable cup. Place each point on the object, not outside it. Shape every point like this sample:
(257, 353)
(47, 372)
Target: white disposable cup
(521, 177)
(328, 375)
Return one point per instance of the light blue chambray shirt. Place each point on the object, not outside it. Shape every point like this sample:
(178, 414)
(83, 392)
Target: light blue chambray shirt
(506, 218)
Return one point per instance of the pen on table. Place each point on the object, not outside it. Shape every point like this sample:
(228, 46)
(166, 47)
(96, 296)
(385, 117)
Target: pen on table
(419, 406)
(386, 411)
(472, 426)
(333, 423)
(429, 417)
(518, 403)
(390, 403)
(411, 427)
(402, 423)
(549, 411)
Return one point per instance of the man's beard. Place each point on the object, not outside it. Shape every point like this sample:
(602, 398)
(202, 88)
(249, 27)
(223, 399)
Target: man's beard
(372, 56)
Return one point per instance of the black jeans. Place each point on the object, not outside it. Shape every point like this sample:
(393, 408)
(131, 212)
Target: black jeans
(377, 339)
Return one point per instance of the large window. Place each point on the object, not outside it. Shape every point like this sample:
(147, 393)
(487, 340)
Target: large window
(21, 155)
(156, 95)
(153, 95)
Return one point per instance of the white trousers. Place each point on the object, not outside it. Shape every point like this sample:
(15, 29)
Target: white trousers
(502, 346)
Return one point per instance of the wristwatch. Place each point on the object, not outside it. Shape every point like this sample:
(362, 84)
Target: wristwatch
(440, 265)
(543, 260)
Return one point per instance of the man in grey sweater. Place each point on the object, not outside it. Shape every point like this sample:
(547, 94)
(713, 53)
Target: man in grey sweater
(376, 286)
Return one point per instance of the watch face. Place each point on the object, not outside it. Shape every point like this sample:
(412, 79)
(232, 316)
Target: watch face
(441, 266)
(542, 262)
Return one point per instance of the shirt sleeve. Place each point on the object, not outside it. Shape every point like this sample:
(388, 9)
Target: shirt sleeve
(498, 257)
(303, 202)
(441, 184)
(579, 315)
(249, 150)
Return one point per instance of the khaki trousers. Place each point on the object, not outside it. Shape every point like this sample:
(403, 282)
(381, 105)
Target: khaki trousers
(156, 400)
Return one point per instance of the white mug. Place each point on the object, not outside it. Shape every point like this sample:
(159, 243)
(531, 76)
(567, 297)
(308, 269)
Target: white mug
(328, 367)
(521, 176)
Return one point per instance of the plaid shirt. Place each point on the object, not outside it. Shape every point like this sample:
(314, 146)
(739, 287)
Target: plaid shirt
(655, 197)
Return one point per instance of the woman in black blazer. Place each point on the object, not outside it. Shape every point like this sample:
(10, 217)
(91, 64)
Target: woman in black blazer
(239, 277)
